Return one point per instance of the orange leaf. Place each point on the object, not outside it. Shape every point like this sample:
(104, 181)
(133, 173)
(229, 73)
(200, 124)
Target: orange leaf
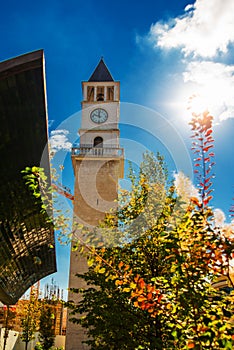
(191, 345)
(120, 264)
(134, 294)
(136, 278)
(142, 306)
(149, 296)
(141, 283)
(151, 310)
(150, 288)
(148, 306)
(195, 201)
(118, 283)
(141, 298)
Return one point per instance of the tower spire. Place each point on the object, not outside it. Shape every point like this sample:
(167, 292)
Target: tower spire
(101, 72)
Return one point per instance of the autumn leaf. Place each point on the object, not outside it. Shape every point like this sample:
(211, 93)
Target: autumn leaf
(141, 298)
(102, 270)
(208, 132)
(118, 282)
(191, 345)
(120, 264)
(141, 283)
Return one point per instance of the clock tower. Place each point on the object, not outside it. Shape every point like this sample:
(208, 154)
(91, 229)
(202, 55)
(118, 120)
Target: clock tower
(98, 164)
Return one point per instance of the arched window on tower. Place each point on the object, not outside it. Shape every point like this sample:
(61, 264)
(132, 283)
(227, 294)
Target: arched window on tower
(90, 93)
(110, 93)
(100, 93)
(98, 145)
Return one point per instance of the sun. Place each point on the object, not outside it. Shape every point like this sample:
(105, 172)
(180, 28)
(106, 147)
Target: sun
(197, 104)
(187, 101)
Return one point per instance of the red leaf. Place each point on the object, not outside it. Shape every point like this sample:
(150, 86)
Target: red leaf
(205, 149)
(209, 192)
(208, 179)
(207, 186)
(160, 298)
(206, 200)
(208, 132)
(209, 140)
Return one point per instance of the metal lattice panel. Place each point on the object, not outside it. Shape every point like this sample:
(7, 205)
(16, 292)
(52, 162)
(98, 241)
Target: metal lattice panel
(27, 251)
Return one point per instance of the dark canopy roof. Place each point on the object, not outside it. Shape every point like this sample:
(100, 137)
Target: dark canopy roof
(27, 251)
(101, 73)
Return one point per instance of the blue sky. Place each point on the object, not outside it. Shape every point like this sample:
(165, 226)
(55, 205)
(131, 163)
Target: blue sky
(161, 52)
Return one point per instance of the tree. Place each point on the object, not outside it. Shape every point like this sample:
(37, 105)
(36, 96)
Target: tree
(154, 289)
(46, 326)
(153, 264)
(112, 321)
(30, 319)
(8, 319)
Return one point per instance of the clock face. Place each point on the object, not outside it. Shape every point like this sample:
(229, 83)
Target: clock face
(99, 115)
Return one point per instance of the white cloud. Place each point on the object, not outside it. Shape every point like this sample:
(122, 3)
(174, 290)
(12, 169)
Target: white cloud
(205, 29)
(228, 231)
(59, 141)
(219, 217)
(202, 32)
(59, 131)
(215, 82)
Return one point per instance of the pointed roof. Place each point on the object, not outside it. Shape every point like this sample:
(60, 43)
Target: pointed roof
(101, 73)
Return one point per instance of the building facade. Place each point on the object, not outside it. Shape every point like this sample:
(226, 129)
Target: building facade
(27, 249)
(98, 164)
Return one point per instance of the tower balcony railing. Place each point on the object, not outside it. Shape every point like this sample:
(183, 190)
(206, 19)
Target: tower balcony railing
(91, 151)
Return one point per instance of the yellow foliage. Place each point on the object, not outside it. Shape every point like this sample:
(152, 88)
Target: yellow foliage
(118, 282)
(102, 270)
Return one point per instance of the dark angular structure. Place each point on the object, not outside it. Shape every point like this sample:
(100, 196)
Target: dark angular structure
(101, 73)
(27, 247)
